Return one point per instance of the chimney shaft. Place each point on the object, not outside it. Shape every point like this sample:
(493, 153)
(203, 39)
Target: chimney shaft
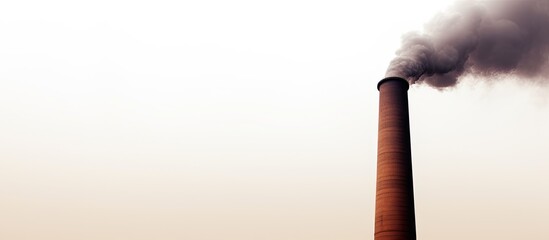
(395, 217)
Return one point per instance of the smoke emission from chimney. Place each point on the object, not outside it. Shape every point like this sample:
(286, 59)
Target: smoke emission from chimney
(478, 38)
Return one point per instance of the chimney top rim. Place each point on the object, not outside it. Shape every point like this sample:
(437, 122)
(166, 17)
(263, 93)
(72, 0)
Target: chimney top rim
(393, 79)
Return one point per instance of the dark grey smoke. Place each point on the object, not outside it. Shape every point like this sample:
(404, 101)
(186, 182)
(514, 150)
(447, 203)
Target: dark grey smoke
(478, 38)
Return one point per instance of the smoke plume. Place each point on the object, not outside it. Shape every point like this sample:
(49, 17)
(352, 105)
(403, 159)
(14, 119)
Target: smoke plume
(479, 38)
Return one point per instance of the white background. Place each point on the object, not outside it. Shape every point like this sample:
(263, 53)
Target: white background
(245, 120)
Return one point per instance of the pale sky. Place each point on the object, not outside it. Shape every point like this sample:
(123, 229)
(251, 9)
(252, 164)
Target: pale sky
(247, 120)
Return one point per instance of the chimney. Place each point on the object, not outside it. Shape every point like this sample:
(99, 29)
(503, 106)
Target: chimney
(395, 217)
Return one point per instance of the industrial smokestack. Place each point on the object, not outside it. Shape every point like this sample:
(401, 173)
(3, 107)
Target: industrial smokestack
(395, 217)
(473, 38)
